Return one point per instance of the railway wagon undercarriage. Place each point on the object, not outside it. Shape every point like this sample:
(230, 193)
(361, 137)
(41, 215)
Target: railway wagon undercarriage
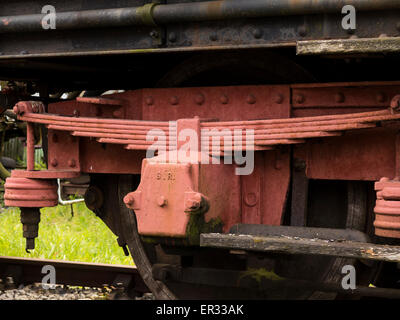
(251, 150)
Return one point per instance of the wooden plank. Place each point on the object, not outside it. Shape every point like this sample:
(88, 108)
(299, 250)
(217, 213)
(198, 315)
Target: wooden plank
(294, 245)
(349, 46)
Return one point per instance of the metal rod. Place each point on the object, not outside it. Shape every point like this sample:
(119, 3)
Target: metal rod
(66, 202)
(159, 14)
(30, 147)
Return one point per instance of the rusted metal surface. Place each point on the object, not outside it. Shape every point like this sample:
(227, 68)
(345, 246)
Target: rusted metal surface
(155, 14)
(29, 106)
(30, 218)
(387, 209)
(133, 133)
(86, 136)
(128, 27)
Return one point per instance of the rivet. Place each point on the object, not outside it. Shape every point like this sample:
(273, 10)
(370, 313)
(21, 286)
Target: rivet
(154, 34)
(76, 113)
(129, 199)
(199, 99)
(72, 163)
(299, 98)
(257, 33)
(149, 101)
(213, 36)
(117, 114)
(381, 97)
(302, 30)
(339, 97)
(278, 98)
(193, 203)
(174, 100)
(172, 37)
(251, 99)
(54, 163)
(224, 99)
(161, 201)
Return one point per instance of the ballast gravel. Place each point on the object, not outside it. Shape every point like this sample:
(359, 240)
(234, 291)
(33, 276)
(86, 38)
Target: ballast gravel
(8, 291)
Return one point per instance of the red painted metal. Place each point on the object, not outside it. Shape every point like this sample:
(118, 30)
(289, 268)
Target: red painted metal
(45, 174)
(161, 198)
(31, 193)
(29, 106)
(30, 147)
(266, 132)
(342, 131)
(387, 209)
(338, 98)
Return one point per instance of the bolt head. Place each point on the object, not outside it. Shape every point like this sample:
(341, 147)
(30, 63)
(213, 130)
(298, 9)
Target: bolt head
(174, 100)
(224, 99)
(302, 31)
(154, 34)
(149, 101)
(339, 97)
(161, 201)
(72, 163)
(381, 97)
(299, 98)
(193, 202)
(257, 33)
(172, 37)
(117, 114)
(199, 99)
(278, 98)
(129, 199)
(251, 99)
(213, 36)
(54, 163)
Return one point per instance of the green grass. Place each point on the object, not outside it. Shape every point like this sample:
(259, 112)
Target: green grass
(82, 237)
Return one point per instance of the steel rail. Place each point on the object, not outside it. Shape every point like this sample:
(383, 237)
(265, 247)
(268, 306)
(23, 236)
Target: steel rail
(162, 14)
(27, 271)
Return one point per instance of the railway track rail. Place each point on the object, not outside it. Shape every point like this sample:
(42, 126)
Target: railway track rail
(28, 271)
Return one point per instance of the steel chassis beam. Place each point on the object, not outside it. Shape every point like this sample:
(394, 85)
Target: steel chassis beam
(131, 28)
